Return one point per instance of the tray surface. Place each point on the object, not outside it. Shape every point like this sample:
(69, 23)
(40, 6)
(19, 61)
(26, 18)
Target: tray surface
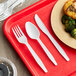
(64, 68)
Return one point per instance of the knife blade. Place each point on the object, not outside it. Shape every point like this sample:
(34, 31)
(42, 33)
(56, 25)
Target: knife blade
(45, 30)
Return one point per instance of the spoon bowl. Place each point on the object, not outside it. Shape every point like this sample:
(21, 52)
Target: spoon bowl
(33, 34)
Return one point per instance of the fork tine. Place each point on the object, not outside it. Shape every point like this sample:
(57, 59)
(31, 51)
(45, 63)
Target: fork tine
(19, 34)
(20, 30)
(14, 33)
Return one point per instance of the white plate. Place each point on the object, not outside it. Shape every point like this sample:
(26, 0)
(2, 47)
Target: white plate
(58, 27)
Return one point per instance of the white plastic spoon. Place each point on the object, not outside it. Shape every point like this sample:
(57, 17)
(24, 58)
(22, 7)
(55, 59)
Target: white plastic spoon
(8, 11)
(33, 33)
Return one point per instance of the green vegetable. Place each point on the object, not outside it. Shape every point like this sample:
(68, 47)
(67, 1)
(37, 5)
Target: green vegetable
(73, 33)
(69, 23)
(69, 18)
(70, 26)
(66, 18)
(73, 22)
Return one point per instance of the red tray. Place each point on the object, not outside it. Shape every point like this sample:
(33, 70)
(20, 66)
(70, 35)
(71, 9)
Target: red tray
(43, 8)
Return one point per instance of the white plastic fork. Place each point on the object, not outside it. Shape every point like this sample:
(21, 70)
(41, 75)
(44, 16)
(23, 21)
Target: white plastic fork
(22, 39)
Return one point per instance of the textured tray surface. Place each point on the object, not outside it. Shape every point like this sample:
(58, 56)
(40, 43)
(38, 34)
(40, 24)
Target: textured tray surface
(64, 68)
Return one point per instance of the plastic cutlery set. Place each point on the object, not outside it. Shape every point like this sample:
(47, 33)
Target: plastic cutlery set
(34, 33)
(7, 7)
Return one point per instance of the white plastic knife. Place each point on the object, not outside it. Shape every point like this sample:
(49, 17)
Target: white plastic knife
(45, 30)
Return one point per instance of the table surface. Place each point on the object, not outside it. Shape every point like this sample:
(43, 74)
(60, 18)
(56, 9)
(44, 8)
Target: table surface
(6, 50)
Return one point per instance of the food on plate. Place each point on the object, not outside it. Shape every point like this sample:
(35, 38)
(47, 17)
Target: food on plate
(70, 8)
(69, 23)
(69, 17)
(73, 33)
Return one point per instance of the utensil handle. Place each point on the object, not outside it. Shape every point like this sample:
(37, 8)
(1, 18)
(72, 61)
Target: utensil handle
(61, 51)
(37, 59)
(47, 52)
